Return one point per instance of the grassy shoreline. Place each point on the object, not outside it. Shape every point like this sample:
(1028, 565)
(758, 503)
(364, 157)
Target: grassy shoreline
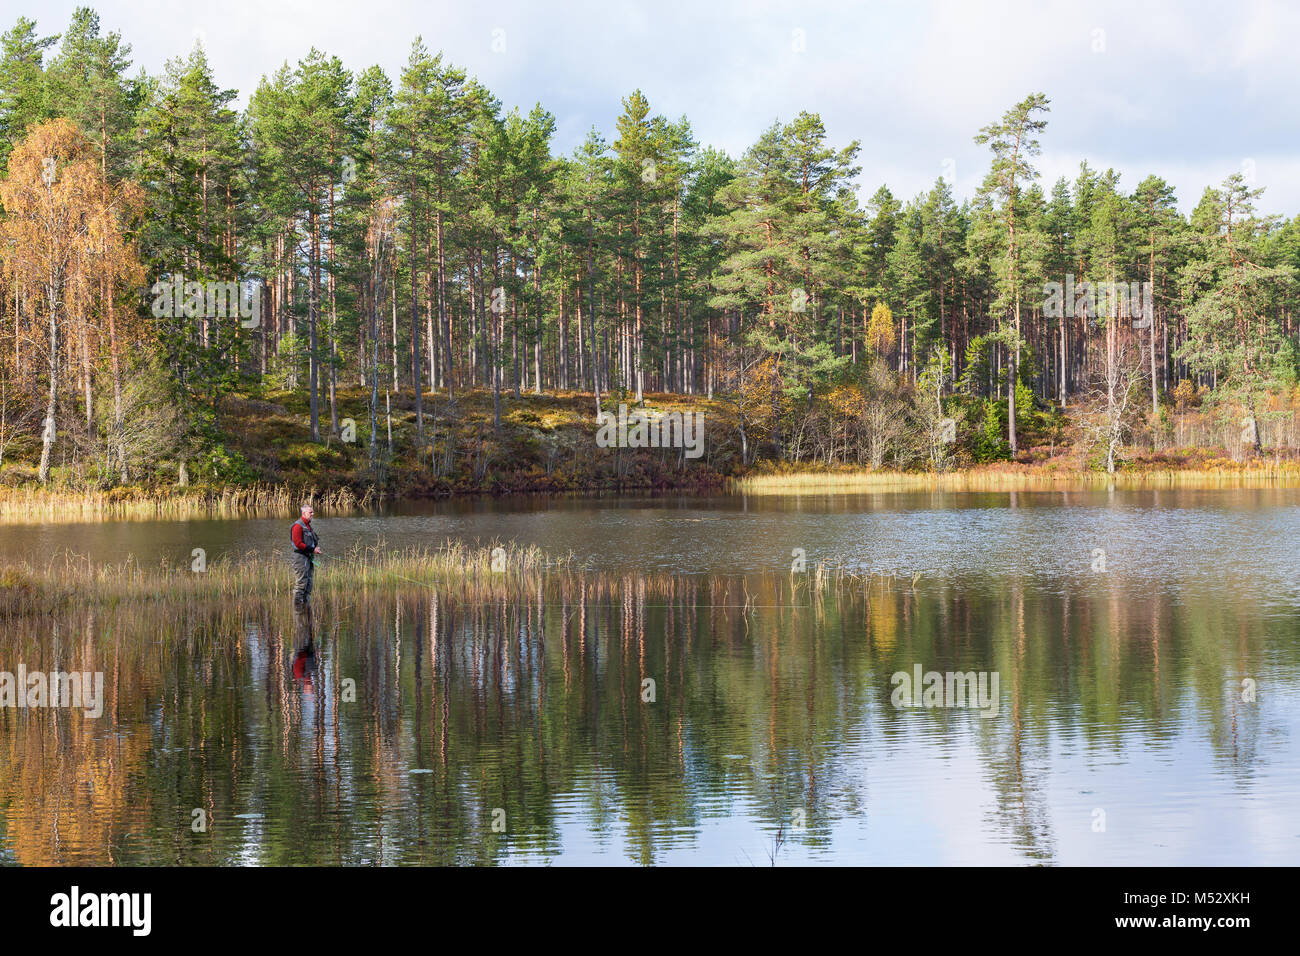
(544, 445)
(36, 505)
(1017, 478)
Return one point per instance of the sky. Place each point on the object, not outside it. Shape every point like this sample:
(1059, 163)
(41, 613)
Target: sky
(1193, 91)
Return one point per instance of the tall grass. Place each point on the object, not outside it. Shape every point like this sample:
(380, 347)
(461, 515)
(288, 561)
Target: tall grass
(69, 579)
(41, 505)
(506, 574)
(1014, 479)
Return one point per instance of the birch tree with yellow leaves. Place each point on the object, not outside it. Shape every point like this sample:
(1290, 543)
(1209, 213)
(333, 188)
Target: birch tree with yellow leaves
(69, 259)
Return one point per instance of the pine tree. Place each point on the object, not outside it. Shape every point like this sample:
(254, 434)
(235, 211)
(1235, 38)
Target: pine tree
(1013, 142)
(1156, 214)
(1233, 324)
(24, 94)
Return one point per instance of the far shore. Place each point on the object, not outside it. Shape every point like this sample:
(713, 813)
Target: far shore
(36, 504)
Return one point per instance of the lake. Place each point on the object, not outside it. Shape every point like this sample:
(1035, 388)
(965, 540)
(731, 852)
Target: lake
(685, 694)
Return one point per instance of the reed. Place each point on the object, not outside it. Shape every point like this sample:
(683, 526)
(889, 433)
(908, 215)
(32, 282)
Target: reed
(505, 574)
(34, 505)
(471, 573)
(1010, 479)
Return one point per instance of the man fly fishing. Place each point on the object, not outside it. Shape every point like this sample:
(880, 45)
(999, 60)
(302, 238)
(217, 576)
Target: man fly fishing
(306, 544)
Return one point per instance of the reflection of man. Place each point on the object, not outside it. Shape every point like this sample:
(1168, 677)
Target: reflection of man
(304, 658)
(305, 545)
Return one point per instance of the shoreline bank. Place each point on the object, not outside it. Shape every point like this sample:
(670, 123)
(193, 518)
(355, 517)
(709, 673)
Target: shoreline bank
(37, 505)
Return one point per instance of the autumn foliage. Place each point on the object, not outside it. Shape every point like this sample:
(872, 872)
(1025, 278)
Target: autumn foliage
(70, 266)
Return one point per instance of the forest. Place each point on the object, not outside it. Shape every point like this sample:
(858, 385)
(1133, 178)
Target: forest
(395, 281)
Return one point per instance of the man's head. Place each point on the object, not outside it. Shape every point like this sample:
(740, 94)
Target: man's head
(307, 513)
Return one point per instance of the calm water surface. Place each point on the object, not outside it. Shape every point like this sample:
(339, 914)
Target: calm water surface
(432, 728)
